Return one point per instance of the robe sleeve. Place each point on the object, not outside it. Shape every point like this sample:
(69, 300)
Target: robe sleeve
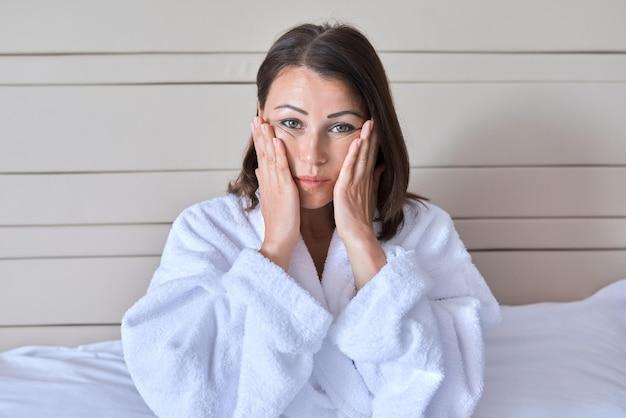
(415, 330)
(217, 339)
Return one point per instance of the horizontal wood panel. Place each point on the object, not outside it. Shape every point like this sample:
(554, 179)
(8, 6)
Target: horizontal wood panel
(525, 192)
(38, 26)
(92, 290)
(105, 198)
(242, 68)
(553, 233)
(158, 197)
(477, 234)
(522, 277)
(100, 128)
(57, 335)
(72, 291)
(82, 240)
(177, 127)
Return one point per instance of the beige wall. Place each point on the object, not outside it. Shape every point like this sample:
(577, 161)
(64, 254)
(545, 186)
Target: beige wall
(114, 116)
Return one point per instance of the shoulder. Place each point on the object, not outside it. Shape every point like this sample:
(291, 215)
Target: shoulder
(220, 223)
(430, 231)
(423, 220)
(217, 210)
(205, 236)
(220, 217)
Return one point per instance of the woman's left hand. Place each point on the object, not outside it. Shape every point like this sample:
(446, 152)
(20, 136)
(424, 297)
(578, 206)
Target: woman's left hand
(356, 190)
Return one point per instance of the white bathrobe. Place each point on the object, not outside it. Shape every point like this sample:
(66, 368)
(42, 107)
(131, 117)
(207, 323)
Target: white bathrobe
(224, 332)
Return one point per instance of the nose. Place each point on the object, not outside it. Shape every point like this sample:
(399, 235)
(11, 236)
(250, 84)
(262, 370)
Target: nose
(313, 150)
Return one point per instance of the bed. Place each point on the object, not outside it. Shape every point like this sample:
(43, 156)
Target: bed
(543, 360)
(106, 135)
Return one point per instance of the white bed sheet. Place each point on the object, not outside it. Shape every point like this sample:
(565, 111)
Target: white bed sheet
(543, 360)
(550, 360)
(89, 380)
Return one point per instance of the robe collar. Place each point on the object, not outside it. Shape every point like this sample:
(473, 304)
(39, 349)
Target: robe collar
(337, 285)
(334, 371)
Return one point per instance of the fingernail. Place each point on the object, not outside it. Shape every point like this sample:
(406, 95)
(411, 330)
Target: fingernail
(256, 121)
(252, 126)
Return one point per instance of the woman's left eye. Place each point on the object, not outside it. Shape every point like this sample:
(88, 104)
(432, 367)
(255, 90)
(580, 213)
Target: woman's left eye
(346, 125)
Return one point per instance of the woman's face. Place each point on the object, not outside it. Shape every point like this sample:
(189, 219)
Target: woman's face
(317, 119)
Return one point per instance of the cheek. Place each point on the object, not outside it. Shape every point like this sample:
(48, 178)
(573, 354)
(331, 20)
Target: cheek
(290, 149)
(343, 151)
(340, 154)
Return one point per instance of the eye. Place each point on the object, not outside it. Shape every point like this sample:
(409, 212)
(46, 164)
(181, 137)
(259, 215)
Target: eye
(344, 125)
(289, 120)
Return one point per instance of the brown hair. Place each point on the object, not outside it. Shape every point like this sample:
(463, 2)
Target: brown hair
(340, 51)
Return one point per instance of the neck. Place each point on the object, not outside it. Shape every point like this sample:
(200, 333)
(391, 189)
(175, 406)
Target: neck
(316, 223)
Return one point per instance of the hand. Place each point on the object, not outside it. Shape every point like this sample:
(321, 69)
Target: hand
(279, 196)
(356, 189)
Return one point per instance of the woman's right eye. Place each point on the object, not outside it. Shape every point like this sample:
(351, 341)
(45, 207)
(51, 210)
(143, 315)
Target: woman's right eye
(289, 120)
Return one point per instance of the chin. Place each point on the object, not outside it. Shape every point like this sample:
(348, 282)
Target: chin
(314, 202)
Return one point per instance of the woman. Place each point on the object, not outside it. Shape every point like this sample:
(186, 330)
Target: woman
(330, 298)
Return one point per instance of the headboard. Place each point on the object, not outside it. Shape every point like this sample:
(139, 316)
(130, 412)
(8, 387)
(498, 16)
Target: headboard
(115, 116)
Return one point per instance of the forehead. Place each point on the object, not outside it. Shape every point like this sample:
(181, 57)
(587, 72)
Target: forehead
(306, 89)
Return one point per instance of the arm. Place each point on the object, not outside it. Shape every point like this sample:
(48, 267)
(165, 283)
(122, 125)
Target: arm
(420, 355)
(211, 339)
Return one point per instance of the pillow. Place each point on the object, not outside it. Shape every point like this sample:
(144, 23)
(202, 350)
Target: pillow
(558, 359)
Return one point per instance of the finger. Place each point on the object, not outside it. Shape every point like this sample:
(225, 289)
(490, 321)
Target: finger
(260, 155)
(373, 150)
(268, 142)
(257, 173)
(266, 173)
(255, 140)
(273, 173)
(252, 133)
(346, 173)
(282, 164)
(362, 158)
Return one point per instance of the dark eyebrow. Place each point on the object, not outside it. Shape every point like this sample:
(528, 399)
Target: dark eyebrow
(332, 115)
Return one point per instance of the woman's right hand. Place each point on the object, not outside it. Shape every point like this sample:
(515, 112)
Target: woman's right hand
(279, 195)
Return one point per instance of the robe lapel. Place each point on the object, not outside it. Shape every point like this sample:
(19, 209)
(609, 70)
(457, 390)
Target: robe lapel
(334, 371)
(336, 287)
(302, 267)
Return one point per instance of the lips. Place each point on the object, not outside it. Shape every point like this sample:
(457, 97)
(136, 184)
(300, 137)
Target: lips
(311, 182)
(313, 178)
